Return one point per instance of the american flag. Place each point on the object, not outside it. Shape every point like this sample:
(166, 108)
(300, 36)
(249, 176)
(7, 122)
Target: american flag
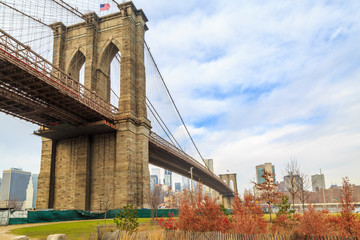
(104, 7)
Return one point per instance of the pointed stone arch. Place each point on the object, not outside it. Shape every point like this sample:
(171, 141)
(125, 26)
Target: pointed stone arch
(103, 70)
(227, 178)
(108, 54)
(75, 64)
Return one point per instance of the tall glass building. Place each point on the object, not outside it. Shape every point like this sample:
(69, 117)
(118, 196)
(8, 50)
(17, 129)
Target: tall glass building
(260, 169)
(168, 178)
(30, 202)
(14, 184)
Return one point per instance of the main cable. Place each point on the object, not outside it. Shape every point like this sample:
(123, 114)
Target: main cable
(177, 110)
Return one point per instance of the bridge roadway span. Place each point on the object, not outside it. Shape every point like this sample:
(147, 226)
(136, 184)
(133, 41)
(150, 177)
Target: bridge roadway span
(31, 88)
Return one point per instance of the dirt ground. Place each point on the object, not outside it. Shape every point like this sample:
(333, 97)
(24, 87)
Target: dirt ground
(4, 229)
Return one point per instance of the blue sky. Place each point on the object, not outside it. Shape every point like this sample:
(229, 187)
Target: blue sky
(255, 82)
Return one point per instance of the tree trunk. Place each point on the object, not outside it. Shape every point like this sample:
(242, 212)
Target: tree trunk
(270, 212)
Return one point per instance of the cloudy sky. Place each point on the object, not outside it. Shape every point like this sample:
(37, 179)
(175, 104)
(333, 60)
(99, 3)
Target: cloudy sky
(255, 81)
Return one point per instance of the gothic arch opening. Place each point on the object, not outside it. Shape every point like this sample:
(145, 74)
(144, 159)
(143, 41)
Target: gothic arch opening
(110, 68)
(232, 185)
(76, 67)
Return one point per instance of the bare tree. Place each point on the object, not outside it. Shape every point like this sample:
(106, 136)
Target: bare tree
(106, 200)
(291, 178)
(14, 204)
(304, 185)
(155, 200)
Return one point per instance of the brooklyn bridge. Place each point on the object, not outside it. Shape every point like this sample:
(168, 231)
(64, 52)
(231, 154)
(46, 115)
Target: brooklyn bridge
(95, 140)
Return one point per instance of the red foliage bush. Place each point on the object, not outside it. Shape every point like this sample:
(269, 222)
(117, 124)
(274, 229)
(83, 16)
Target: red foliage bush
(202, 214)
(347, 223)
(313, 223)
(168, 223)
(285, 224)
(248, 216)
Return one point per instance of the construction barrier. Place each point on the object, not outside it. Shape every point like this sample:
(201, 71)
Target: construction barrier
(70, 215)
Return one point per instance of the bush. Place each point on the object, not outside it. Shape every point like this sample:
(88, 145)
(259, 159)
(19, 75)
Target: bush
(169, 223)
(127, 221)
(248, 217)
(313, 223)
(201, 214)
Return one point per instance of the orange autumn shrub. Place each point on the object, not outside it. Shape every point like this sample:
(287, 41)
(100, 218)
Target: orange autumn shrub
(248, 217)
(347, 223)
(285, 224)
(313, 223)
(201, 214)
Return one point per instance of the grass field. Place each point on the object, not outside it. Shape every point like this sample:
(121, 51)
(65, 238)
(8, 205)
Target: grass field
(73, 230)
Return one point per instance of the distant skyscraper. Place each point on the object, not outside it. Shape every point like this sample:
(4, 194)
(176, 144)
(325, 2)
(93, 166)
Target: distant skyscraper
(318, 182)
(168, 178)
(177, 187)
(291, 183)
(31, 191)
(185, 183)
(260, 171)
(14, 184)
(156, 172)
(281, 186)
(154, 180)
(210, 164)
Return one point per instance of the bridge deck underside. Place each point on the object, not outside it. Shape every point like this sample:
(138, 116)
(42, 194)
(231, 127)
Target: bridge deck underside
(23, 94)
(161, 156)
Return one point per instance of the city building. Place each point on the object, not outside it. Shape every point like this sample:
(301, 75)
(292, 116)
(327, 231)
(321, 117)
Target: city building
(177, 187)
(154, 180)
(260, 171)
(185, 183)
(156, 172)
(14, 184)
(168, 178)
(281, 186)
(292, 182)
(210, 164)
(30, 202)
(318, 182)
(0, 186)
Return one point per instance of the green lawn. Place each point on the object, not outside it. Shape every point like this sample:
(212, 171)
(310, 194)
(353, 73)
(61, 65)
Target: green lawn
(73, 230)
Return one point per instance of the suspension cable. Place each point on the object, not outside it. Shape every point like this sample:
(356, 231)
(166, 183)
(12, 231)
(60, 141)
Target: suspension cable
(160, 124)
(172, 100)
(72, 10)
(164, 124)
(37, 20)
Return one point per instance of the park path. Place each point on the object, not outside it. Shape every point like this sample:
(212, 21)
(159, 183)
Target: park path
(4, 235)
(5, 230)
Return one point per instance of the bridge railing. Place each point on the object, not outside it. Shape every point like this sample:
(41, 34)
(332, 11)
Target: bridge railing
(54, 76)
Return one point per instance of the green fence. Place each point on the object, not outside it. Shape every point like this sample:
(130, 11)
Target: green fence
(69, 215)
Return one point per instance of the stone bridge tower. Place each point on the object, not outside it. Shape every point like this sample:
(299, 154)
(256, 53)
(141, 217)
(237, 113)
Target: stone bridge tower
(227, 178)
(93, 168)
